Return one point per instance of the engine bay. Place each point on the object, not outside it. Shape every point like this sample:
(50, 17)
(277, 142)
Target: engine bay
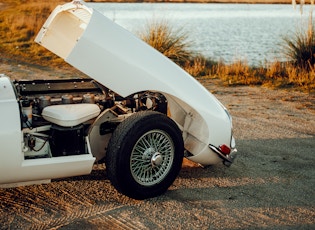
(35, 95)
(57, 114)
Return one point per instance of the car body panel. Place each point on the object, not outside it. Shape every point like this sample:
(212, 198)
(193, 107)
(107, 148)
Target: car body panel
(10, 132)
(13, 165)
(116, 58)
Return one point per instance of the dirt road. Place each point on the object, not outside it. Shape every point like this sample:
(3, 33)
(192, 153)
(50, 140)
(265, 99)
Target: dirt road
(270, 185)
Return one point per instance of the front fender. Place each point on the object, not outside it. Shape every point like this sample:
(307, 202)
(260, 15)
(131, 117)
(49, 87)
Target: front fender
(108, 53)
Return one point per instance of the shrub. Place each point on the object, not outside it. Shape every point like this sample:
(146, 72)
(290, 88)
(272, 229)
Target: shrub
(302, 78)
(173, 43)
(176, 45)
(238, 73)
(200, 66)
(300, 48)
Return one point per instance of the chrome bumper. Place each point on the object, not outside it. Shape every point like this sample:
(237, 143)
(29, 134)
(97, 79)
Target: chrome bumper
(227, 159)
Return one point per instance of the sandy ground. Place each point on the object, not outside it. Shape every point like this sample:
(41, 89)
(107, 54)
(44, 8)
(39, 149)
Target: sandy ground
(270, 185)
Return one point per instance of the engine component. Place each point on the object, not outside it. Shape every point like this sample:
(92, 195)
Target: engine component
(67, 141)
(70, 115)
(88, 98)
(44, 101)
(152, 101)
(67, 99)
(27, 113)
(36, 147)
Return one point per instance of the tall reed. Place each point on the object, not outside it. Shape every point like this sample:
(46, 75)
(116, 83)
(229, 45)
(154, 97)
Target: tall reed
(171, 42)
(175, 44)
(300, 48)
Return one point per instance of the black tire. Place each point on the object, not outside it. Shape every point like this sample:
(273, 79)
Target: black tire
(144, 155)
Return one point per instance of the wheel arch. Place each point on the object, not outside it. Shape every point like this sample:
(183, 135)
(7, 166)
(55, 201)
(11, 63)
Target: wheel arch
(201, 127)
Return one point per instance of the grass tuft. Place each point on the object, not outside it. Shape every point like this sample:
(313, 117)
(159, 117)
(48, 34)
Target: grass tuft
(171, 42)
(176, 45)
(237, 73)
(300, 48)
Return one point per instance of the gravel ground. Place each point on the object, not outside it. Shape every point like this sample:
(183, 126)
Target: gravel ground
(270, 185)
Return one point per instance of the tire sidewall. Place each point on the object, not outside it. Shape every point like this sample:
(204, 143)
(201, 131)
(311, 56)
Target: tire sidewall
(140, 125)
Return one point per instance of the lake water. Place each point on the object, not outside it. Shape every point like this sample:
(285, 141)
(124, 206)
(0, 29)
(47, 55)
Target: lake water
(251, 32)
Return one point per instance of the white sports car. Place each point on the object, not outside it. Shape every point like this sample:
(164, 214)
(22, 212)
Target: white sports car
(139, 113)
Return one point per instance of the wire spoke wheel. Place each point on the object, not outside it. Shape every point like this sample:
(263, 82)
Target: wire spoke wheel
(152, 157)
(144, 155)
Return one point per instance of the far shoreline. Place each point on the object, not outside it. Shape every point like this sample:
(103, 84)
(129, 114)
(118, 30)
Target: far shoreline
(199, 1)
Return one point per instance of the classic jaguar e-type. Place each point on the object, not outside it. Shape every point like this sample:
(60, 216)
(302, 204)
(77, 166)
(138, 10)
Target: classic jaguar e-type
(139, 112)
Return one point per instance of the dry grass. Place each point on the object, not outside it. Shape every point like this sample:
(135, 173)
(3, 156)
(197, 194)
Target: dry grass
(302, 78)
(174, 43)
(274, 75)
(198, 66)
(299, 48)
(20, 21)
(171, 42)
(237, 73)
